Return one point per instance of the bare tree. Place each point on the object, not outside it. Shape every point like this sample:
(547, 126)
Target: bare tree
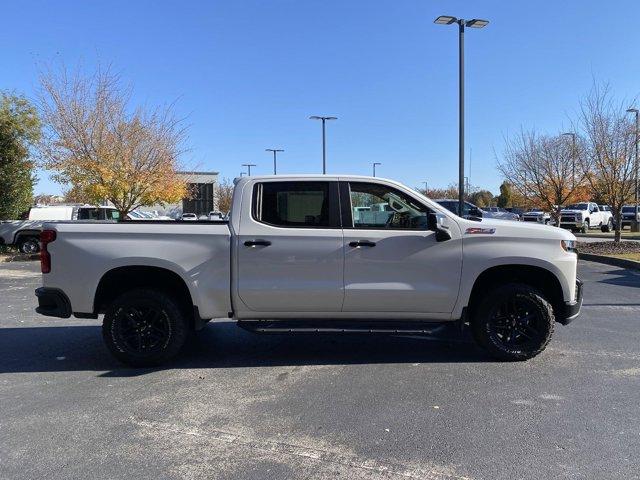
(610, 139)
(541, 169)
(102, 148)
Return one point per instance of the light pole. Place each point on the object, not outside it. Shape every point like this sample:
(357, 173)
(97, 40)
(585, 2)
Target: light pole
(374, 167)
(635, 225)
(426, 188)
(574, 152)
(324, 139)
(275, 152)
(249, 165)
(473, 23)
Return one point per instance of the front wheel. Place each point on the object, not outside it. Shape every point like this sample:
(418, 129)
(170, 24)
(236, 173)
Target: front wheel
(144, 328)
(585, 226)
(513, 322)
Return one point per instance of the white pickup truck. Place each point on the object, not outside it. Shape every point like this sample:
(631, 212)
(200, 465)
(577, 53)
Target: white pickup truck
(295, 257)
(586, 215)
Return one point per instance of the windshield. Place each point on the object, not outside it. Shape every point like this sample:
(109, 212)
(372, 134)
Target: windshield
(577, 206)
(628, 209)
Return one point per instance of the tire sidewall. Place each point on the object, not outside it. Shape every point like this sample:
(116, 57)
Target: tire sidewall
(30, 241)
(178, 328)
(481, 327)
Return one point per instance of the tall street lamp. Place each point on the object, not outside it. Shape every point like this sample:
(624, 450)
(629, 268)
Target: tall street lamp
(574, 154)
(275, 153)
(474, 23)
(324, 141)
(374, 167)
(249, 165)
(426, 187)
(636, 225)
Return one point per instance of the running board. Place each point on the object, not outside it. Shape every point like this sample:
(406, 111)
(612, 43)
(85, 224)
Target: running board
(338, 326)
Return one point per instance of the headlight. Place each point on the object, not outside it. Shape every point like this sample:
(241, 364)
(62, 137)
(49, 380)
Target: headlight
(568, 245)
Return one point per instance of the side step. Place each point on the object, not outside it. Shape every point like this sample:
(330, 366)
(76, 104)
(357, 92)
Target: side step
(341, 326)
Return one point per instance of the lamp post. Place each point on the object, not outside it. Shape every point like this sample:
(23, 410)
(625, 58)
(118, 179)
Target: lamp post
(574, 152)
(473, 23)
(426, 187)
(275, 153)
(249, 165)
(636, 225)
(374, 167)
(324, 139)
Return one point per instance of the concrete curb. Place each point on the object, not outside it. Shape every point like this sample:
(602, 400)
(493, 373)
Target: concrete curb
(617, 262)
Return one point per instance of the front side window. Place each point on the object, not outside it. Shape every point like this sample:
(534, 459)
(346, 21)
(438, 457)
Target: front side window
(293, 204)
(381, 207)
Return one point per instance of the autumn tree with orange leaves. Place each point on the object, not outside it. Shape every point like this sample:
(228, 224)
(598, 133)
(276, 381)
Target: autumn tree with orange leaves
(102, 148)
(545, 170)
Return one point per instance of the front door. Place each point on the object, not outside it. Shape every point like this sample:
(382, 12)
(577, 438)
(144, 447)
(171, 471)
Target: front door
(290, 256)
(393, 263)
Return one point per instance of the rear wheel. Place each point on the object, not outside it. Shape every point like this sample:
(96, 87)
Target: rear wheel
(144, 328)
(513, 322)
(29, 245)
(608, 227)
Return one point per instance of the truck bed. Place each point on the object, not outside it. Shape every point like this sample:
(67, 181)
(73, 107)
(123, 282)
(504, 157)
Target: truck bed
(198, 251)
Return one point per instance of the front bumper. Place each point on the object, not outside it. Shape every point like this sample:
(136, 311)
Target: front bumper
(571, 310)
(53, 302)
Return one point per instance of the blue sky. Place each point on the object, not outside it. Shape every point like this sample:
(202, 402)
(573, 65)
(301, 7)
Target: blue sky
(248, 73)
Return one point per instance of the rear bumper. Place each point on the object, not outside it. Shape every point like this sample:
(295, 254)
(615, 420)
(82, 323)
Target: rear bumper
(571, 310)
(53, 302)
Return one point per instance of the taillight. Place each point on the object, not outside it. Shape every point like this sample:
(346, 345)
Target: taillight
(46, 237)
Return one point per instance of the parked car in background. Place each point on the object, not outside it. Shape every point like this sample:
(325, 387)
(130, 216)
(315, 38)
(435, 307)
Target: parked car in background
(537, 215)
(517, 210)
(472, 211)
(629, 215)
(216, 216)
(190, 217)
(25, 234)
(294, 259)
(584, 216)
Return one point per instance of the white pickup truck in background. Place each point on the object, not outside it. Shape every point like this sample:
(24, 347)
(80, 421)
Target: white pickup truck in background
(25, 234)
(313, 253)
(583, 216)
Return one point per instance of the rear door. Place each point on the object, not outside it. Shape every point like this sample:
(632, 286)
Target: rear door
(290, 256)
(393, 263)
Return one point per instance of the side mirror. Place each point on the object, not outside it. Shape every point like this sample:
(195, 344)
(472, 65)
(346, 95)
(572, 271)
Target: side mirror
(442, 234)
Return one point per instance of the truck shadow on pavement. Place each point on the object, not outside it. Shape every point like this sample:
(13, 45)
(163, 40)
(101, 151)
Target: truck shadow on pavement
(224, 345)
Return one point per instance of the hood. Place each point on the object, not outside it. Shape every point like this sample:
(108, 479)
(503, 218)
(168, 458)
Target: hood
(508, 228)
(573, 211)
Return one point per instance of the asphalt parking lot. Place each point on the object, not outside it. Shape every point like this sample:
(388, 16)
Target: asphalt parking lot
(244, 406)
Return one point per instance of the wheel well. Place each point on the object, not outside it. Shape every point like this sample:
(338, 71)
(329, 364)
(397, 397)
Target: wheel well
(541, 279)
(122, 279)
(26, 234)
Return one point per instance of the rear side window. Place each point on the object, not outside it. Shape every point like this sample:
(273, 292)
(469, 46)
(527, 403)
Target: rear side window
(296, 204)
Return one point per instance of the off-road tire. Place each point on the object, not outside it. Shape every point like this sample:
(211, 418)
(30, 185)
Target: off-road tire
(487, 318)
(144, 328)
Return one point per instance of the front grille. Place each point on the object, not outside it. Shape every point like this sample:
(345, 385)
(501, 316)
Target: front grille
(530, 219)
(567, 219)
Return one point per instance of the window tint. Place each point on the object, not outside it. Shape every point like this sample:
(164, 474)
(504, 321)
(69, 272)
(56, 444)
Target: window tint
(88, 214)
(293, 204)
(381, 207)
